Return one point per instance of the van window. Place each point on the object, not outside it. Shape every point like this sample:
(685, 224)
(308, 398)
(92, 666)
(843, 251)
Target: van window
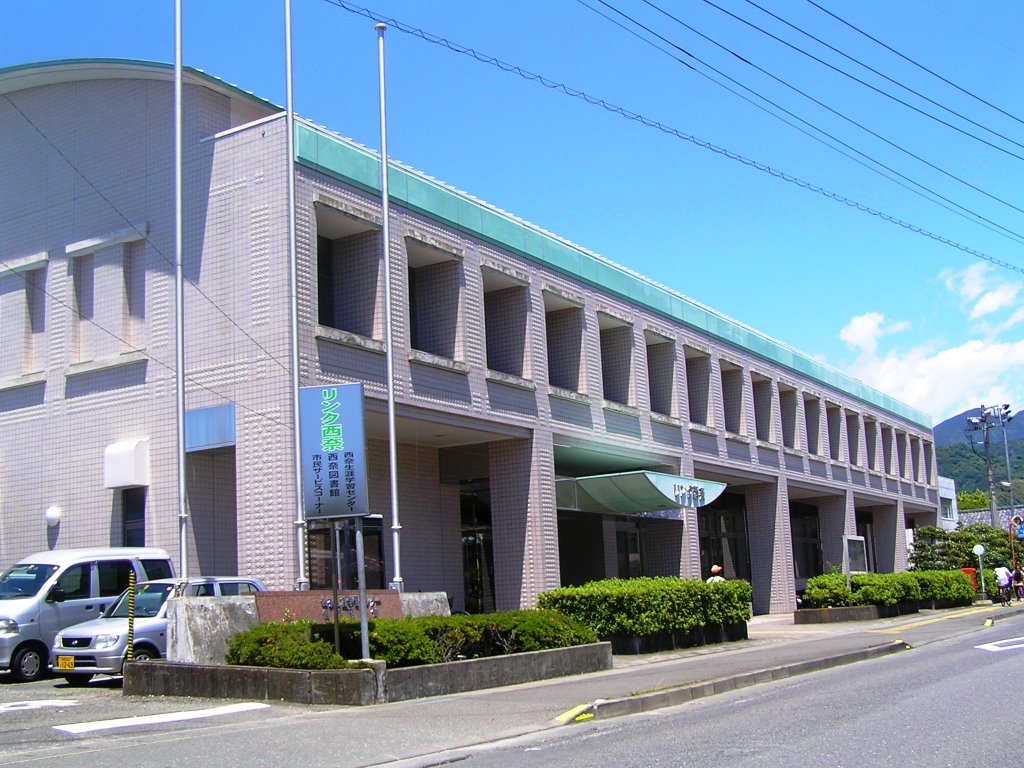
(235, 588)
(157, 569)
(76, 582)
(114, 576)
(24, 580)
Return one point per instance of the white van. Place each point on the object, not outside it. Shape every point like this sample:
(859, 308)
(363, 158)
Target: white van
(46, 592)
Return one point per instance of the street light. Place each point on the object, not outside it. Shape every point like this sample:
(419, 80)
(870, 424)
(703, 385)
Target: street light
(979, 550)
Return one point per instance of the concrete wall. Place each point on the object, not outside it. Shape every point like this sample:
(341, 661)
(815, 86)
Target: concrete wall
(199, 628)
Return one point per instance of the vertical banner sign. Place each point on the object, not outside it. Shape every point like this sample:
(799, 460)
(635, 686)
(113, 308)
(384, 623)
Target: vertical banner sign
(333, 451)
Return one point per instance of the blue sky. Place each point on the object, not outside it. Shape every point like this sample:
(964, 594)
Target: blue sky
(929, 323)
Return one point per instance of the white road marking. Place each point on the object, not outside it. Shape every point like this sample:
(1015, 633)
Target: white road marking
(169, 717)
(1011, 644)
(21, 706)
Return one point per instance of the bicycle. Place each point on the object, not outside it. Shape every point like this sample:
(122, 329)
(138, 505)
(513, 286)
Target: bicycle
(1005, 594)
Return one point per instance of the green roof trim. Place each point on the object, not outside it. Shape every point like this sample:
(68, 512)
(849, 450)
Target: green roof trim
(330, 154)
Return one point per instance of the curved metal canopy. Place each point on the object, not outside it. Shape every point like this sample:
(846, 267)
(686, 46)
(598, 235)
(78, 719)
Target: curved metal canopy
(633, 493)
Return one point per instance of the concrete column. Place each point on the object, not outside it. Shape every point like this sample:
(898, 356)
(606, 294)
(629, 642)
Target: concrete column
(771, 548)
(890, 539)
(835, 518)
(429, 514)
(689, 560)
(524, 521)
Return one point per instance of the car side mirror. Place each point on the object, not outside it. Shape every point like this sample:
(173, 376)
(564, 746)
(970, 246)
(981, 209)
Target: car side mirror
(56, 595)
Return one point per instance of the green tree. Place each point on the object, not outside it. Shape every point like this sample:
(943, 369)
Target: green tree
(971, 500)
(941, 550)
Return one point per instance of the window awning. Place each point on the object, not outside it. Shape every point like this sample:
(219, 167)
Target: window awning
(126, 464)
(634, 493)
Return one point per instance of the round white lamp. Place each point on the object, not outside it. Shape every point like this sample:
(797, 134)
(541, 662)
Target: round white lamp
(52, 516)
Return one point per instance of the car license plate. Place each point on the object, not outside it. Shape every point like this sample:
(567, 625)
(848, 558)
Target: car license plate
(65, 662)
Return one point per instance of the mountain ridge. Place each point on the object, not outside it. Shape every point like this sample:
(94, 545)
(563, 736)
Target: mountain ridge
(951, 431)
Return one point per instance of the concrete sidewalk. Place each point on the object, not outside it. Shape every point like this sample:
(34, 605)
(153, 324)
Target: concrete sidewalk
(431, 731)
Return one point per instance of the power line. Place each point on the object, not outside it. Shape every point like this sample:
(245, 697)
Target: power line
(648, 122)
(923, 191)
(916, 64)
(821, 104)
(868, 85)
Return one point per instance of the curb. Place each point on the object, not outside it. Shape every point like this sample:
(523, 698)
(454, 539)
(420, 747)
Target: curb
(646, 702)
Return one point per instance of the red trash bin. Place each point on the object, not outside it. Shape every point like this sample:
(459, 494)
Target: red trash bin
(974, 577)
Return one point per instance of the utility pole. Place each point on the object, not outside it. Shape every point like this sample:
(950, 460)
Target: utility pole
(990, 417)
(993, 511)
(1005, 417)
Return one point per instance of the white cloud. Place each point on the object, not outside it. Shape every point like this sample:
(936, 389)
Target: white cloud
(943, 382)
(943, 378)
(999, 298)
(969, 282)
(864, 331)
(1016, 317)
(985, 292)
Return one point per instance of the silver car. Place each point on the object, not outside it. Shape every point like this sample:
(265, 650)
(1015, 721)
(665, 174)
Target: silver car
(100, 646)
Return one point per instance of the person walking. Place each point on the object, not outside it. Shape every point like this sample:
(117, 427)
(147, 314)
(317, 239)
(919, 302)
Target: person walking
(716, 574)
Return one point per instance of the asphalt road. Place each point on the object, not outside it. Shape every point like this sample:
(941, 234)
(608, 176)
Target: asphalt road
(938, 684)
(943, 705)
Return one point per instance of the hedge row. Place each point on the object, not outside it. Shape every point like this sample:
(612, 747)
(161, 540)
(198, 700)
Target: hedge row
(651, 605)
(406, 642)
(831, 591)
(286, 646)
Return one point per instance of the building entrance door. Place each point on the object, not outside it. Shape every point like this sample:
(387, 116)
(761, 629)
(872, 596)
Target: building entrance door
(477, 550)
(722, 530)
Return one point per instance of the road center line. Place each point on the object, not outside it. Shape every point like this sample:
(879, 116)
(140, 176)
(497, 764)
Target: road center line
(169, 717)
(923, 622)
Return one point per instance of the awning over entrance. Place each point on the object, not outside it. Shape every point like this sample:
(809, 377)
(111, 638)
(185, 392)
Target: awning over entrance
(634, 493)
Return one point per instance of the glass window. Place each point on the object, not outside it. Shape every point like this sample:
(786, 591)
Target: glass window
(76, 582)
(114, 575)
(947, 508)
(319, 552)
(148, 600)
(803, 520)
(722, 531)
(24, 580)
(157, 569)
(133, 517)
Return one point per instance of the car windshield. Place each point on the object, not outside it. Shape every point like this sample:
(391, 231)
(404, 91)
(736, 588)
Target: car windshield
(24, 580)
(148, 600)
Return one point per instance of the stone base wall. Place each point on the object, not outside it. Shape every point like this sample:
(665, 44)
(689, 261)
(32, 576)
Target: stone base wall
(361, 687)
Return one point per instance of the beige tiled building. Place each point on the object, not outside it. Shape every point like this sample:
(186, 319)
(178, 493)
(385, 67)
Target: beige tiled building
(525, 368)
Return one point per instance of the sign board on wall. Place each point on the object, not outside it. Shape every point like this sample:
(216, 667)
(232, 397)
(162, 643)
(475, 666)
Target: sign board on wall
(333, 451)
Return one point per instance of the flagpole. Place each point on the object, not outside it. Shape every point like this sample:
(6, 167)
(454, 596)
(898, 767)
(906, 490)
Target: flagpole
(301, 582)
(179, 302)
(396, 528)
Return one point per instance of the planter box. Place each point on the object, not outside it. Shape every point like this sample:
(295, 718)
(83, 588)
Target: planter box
(360, 687)
(625, 645)
(934, 605)
(852, 613)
